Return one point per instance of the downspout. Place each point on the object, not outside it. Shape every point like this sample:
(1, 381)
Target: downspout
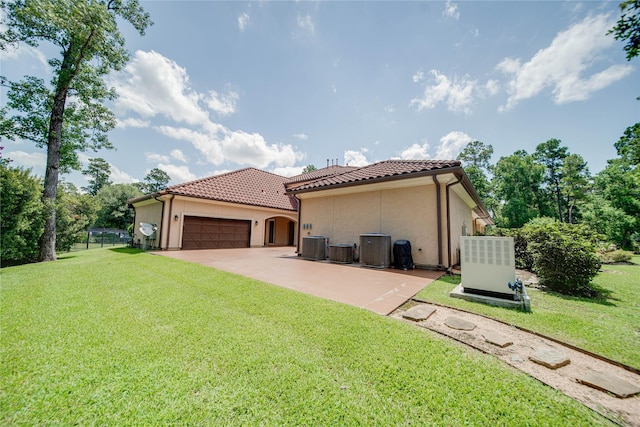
(161, 221)
(439, 219)
(169, 222)
(299, 219)
(449, 221)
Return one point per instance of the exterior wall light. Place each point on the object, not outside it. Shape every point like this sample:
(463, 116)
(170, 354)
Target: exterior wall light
(176, 217)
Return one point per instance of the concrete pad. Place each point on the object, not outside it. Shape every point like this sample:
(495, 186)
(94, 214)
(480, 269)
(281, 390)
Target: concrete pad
(378, 290)
(608, 383)
(549, 357)
(458, 292)
(497, 339)
(418, 313)
(457, 323)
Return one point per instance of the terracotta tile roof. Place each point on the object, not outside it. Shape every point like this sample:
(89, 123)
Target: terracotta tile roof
(320, 173)
(247, 186)
(388, 169)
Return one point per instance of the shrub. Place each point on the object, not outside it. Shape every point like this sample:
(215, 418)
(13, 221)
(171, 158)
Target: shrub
(564, 255)
(614, 256)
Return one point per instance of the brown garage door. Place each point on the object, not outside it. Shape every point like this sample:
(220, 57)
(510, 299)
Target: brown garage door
(215, 233)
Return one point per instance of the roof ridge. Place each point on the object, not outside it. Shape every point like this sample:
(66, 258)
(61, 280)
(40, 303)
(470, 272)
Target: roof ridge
(206, 178)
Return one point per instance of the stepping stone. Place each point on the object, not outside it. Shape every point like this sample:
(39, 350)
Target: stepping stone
(609, 383)
(456, 323)
(549, 357)
(516, 359)
(418, 313)
(497, 339)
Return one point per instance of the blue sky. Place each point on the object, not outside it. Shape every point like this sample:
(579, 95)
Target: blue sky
(218, 86)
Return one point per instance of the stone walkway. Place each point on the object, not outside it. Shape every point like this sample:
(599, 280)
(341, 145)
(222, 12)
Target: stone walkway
(572, 372)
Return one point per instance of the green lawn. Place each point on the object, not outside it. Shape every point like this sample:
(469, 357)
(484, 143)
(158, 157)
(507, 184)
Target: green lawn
(120, 337)
(609, 327)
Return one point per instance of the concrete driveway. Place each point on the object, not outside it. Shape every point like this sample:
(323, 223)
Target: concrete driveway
(380, 291)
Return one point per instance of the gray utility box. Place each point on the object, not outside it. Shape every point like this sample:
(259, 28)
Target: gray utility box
(375, 249)
(314, 247)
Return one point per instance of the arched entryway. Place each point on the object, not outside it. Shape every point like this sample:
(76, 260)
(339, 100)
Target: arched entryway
(279, 231)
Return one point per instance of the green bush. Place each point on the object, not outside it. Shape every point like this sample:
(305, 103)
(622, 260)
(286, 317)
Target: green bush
(612, 257)
(564, 255)
(22, 222)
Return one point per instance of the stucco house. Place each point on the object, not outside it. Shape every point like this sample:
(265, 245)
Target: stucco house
(428, 202)
(239, 209)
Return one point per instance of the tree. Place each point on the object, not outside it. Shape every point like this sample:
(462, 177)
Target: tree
(21, 222)
(628, 27)
(156, 180)
(98, 171)
(309, 168)
(75, 213)
(477, 154)
(70, 115)
(552, 155)
(628, 146)
(517, 179)
(476, 158)
(574, 183)
(114, 209)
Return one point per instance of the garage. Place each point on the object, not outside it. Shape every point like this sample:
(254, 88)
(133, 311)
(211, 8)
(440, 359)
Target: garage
(215, 233)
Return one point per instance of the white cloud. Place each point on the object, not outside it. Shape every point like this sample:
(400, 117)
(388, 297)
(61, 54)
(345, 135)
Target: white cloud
(418, 77)
(26, 53)
(301, 136)
(356, 158)
(157, 158)
(456, 93)
(563, 64)
(492, 87)
(288, 170)
(390, 109)
(243, 21)
(154, 86)
(177, 173)
(131, 122)
(225, 105)
(305, 23)
(178, 155)
(120, 177)
(451, 10)
(37, 161)
(416, 152)
(451, 145)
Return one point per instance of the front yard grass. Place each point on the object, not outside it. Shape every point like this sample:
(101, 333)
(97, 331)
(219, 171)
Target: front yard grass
(120, 337)
(609, 326)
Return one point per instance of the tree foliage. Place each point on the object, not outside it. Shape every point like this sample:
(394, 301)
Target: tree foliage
(517, 183)
(308, 168)
(628, 27)
(21, 221)
(98, 172)
(114, 211)
(69, 114)
(552, 155)
(155, 180)
(75, 213)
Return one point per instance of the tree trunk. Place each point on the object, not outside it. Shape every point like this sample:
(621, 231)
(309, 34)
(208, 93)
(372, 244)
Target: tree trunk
(48, 238)
(47, 241)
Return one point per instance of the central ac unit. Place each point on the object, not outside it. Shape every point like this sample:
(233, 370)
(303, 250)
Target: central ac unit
(341, 253)
(314, 247)
(375, 249)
